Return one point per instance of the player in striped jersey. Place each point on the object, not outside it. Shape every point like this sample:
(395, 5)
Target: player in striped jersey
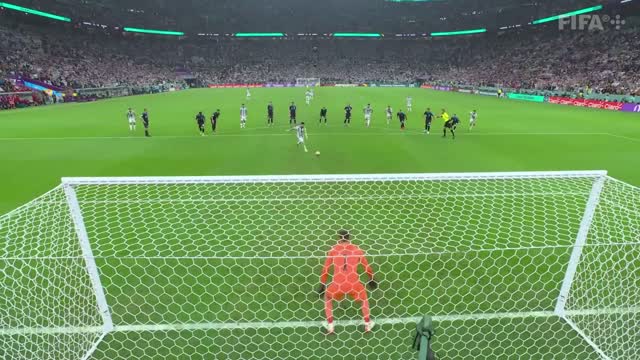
(131, 117)
(389, 113)
(473, 119)
(367, 115)
(243, 116)
(301, 134)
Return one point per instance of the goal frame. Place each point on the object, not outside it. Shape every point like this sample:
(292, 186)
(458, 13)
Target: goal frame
(69, 184)
(299, 82)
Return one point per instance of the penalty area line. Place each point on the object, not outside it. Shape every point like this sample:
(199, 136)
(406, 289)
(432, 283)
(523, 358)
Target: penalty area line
(235, 135)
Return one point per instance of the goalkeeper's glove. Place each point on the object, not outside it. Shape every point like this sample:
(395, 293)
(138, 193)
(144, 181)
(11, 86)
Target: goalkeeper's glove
(321, 289)
(372, 284)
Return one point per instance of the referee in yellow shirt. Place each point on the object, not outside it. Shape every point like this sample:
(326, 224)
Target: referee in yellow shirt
(448, 124)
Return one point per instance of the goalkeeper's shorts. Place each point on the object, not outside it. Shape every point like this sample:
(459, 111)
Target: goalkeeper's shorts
(355, 290)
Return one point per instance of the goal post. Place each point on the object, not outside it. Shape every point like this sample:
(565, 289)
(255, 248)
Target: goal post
(307, 82)
(521, 264)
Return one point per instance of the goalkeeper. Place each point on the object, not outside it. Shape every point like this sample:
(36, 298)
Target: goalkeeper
(345, 258)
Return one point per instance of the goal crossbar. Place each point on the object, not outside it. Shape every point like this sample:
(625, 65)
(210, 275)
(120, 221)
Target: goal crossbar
(331, 178)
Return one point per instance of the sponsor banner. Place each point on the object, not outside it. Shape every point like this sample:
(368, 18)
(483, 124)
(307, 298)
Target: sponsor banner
(630, 108)
(526, 97)
(279, 85)
(227, 86)
(468, 91)
(486, 93)
(590, 103)
(442, 88)
(346, 85)
(426, 86)
(390, 85)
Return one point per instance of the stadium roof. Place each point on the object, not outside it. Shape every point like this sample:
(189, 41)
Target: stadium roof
(172, 17)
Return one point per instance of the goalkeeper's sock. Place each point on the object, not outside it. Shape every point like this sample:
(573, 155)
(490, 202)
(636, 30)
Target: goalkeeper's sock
(330, 327)
(366, 313)
(368, 325)
(328, 310)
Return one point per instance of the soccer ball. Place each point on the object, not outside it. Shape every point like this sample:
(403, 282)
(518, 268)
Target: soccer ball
(317, 153)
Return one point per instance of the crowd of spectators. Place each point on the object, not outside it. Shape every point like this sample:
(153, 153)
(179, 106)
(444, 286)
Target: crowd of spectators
(606, 61)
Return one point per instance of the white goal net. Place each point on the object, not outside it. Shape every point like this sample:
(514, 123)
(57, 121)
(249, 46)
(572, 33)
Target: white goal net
(539, 265)
(300, 82)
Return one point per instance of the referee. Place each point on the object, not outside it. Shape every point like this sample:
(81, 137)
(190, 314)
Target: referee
(145, 122)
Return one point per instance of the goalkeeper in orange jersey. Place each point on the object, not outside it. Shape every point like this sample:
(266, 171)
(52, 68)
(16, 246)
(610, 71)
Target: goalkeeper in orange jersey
(345, 258)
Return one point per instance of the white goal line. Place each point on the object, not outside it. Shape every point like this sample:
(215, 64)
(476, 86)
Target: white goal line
(169, 180)
(309, 324)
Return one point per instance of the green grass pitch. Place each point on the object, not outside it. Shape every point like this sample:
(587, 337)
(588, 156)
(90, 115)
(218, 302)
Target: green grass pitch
(39, 146)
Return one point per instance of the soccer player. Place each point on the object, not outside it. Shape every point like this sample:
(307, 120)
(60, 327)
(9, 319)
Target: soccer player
(402, 117)
(323, 115)
(307, 96)
(311, 92)
(367, 115)
(214, 120)
(301, 134)
(428, 117)
(243, 116)
(200, 121)
(473, 119)
(145, 122)
(131, 117)
(248, 94)
(270, 114)
(455, 121)
(389, 113)
(409, 101)
(292, 113)
(347, 115)
(449, 125)
(345, 258)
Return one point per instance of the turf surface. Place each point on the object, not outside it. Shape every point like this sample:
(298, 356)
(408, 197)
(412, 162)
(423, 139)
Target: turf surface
(38, 146)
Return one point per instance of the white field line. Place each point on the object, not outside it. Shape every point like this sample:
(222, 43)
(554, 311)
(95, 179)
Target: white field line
(312, 134)
(624, 137)
(306, 324)
(324, 199)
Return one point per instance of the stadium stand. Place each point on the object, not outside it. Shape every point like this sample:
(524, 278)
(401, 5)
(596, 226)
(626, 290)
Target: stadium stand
(68, 59)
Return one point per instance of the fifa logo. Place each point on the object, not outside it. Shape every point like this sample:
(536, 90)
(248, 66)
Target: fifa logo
(590, 22)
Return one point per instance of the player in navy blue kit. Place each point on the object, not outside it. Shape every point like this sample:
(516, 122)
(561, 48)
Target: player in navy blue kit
(200, 121)
(449, 125)
(323, 115)
(402, 117)
(428, 117)
(214, 120)
(456, 121)
(347, 115)
(270, 114)
(145, 122)
(292, 113)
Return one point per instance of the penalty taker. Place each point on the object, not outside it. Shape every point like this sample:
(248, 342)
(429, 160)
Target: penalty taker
(345, 258)
(301, 134)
